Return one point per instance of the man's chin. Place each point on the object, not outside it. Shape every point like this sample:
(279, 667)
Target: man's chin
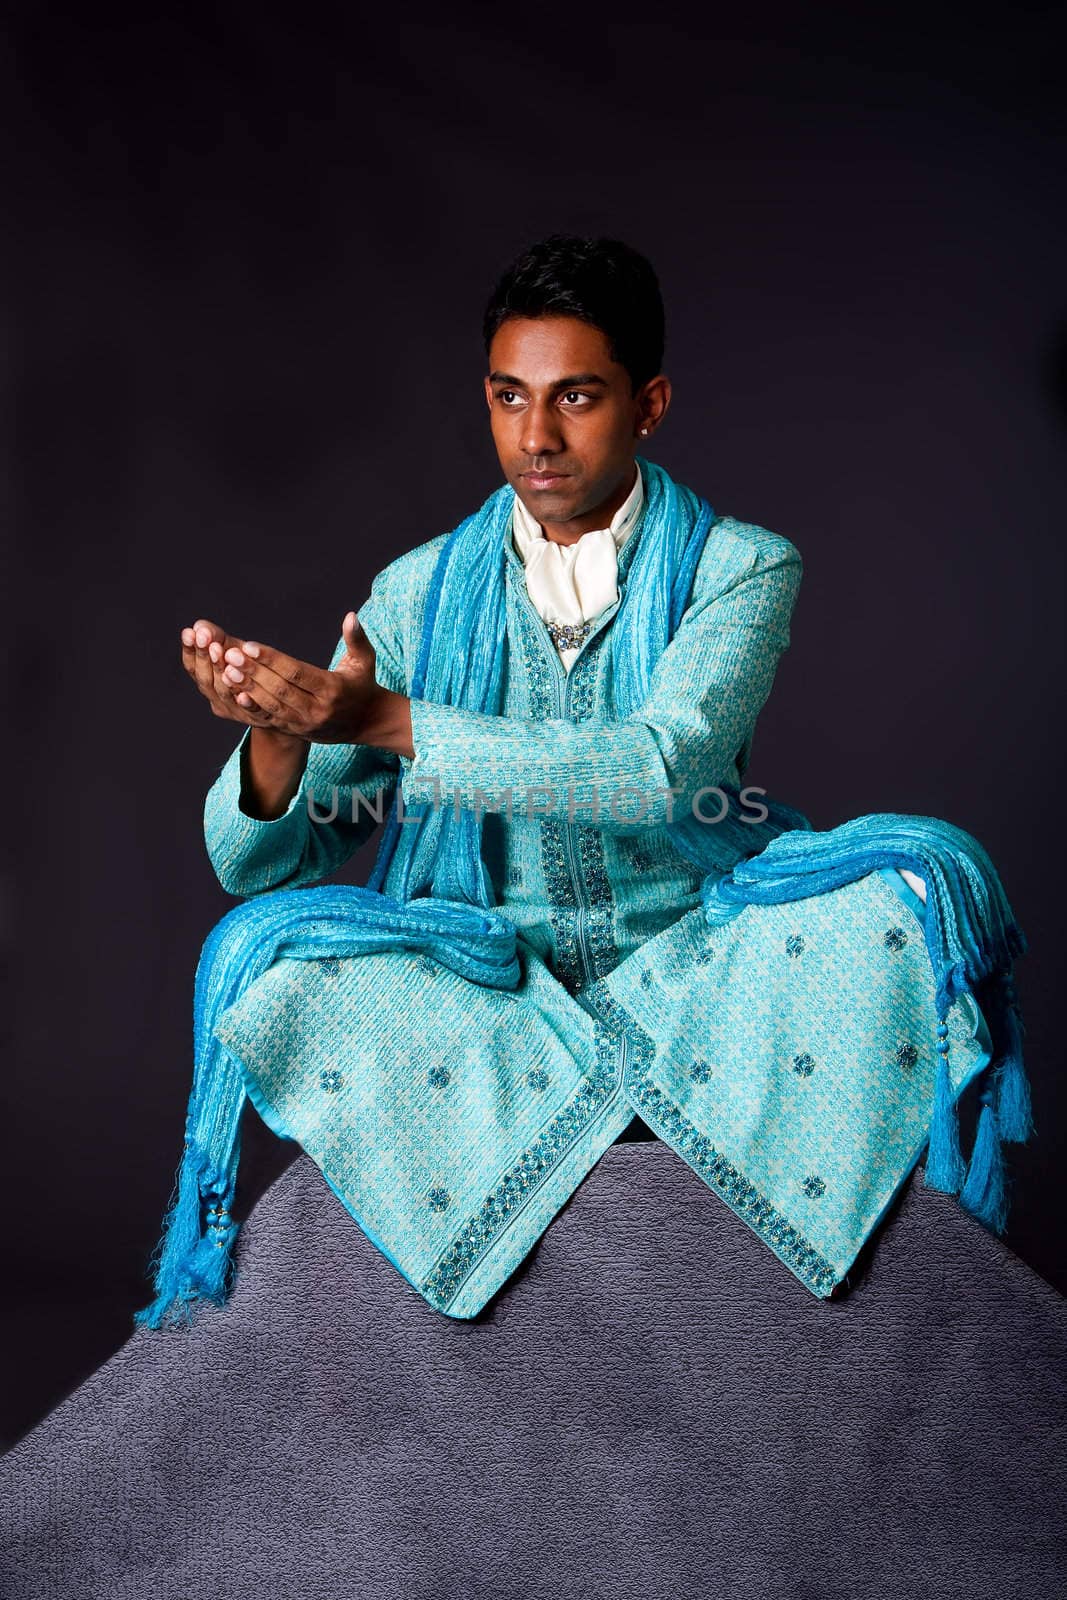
(548, 505)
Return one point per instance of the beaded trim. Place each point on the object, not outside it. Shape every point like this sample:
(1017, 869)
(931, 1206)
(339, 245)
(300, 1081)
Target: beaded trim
(568, 966)
(560, 891)
(568, 635)
(526, 1176)
(716, 1169)
(600, 941)
(539, 677)
(591, 859)
(603, 949)
(581, 683)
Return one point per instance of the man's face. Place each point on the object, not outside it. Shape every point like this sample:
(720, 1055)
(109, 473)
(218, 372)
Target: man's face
(565, 421)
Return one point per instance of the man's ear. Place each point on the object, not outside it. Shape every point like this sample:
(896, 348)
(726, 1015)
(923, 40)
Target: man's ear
(488, 394)
(653, 398)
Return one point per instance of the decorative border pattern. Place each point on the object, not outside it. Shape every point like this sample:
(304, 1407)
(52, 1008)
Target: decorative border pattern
(568, 964)
(809, 1264)
(561, 892)
(504, 1202)
(542, 689)
(600, 940)
(581, 686)
(554, 862)
(590, 843)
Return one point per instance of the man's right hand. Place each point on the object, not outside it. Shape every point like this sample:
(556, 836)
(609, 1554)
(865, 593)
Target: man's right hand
(203, 646)
(272, 764)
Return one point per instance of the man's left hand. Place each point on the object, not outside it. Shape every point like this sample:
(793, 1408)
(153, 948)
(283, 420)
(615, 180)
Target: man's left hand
(338, 707)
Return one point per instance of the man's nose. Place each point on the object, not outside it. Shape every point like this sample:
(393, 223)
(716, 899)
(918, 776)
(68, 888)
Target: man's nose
(541, 432)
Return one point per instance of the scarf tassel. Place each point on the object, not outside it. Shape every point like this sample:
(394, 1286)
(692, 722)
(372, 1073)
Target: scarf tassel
(1014, 1112)
(1005, 1114)
(194, 1257)
(944, 1162)
(1014, 1115)
(984, 1194)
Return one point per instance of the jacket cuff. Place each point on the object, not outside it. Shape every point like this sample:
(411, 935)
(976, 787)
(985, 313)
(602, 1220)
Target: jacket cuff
(256, 848)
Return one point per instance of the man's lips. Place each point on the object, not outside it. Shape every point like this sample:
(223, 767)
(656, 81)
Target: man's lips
(543, 480)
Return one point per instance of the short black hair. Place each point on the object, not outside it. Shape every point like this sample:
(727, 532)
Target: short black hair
(600, 281)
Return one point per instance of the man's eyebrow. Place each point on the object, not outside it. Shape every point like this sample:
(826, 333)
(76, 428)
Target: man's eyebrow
(576, 380)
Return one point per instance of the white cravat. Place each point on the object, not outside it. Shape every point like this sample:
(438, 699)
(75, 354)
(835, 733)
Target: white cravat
(571, 584)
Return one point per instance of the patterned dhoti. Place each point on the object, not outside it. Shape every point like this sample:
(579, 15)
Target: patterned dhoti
(788, 1056)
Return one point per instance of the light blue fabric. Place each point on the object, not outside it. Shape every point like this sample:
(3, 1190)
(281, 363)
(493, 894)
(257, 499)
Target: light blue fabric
(972, 937)
(466, 603)
(326, 922)
(443, 906)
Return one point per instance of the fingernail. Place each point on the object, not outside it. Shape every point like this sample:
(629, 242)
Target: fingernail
(251, 649)
(202, 638)
(187, 637)
(233, 676)
(234, 656)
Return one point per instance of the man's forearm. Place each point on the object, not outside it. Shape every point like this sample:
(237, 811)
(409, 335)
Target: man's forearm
(272, 765)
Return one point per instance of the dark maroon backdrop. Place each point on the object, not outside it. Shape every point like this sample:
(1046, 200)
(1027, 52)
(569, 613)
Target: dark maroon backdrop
(252, 259)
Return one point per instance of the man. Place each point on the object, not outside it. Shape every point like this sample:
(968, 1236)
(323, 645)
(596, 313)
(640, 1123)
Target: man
(559, 699)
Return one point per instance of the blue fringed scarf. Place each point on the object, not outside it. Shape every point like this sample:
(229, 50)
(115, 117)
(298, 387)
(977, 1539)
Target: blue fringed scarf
(972, 940)
(445, 901)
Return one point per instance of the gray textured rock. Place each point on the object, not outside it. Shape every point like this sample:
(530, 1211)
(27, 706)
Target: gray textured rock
(652, 1406)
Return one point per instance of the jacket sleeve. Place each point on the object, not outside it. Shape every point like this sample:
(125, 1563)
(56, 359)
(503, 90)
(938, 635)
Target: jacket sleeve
(349, 786)
(693, 730)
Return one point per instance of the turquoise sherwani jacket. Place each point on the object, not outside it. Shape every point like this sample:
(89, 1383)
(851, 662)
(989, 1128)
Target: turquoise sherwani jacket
(787, 1056)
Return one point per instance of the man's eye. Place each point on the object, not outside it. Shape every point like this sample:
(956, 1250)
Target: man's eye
(507, 396)
(575, 397)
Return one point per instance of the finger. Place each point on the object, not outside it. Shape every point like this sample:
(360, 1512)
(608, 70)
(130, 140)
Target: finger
(219, 645)
(360, 652)
(246, 710)
(287, 714)
(205, 632)
(263, 681)
(227, 690)
(275, 713)
(203, 641)
(289, 681)
(298, 674)
(198, 662)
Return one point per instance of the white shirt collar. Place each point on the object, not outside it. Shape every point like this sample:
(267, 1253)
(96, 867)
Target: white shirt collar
(526, 530)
